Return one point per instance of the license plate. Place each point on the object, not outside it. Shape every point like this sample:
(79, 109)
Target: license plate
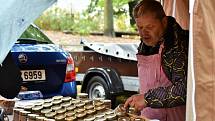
(32, 75)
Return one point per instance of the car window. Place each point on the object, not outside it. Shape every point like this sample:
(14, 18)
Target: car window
(34, 35)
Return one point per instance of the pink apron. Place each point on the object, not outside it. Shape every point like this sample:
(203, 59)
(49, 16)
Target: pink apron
(151, 76)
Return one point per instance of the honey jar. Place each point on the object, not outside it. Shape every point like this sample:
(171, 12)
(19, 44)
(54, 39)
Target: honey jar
(71, 118)
(50, 114)
(31, 117)
(57, 97)
(66, 99)
(70, 113)
(124, 119)
(82, 96)
(90, 118)
(40, 118)
(45, 111)
(17, 113)
(37, 109)
(23, 116)
(60, 117)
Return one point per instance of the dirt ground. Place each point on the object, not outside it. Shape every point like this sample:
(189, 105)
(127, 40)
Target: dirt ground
(70, 39)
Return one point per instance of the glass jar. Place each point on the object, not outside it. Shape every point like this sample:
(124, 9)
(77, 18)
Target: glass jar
(40, 118)
(80, 116)
(66, 99)
(57, 97)
(28, 107)
(31, 117)
(88, 102)
(124, 119)
(107, 104)
(80, 105)
(24, 115)
(120, 111)
(45, 111)
(37, 109)
(56, 107)
(50, 114)
(60, 117)
(70, 113)
(61, 111)
(66, 104)
(49, 100)
(91, 112)
(89, 107)
(82, 96)
(17, 113)
(47, 105)
(71, 118)
(111, 117)
(57, 102)
(90, 118)
(100, 109)
(139, 119)
(70, 108)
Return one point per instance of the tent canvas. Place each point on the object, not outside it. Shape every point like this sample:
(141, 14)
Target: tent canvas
(198, 14)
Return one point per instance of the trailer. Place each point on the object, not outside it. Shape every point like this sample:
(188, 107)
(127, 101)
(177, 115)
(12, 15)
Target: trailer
(106, 70)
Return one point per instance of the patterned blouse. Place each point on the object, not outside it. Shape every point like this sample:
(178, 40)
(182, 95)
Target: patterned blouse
(174, 63)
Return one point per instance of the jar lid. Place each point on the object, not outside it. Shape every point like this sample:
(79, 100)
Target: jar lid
(44, 111)
(48, 100)
(57, 97)
(100, 119)
(32, 116)
(71, 107)
(82, 95)
(70, 113)
(70, 118)
(56, 107)
(80, 115)
(40, 118)
(28, 107)
(46, 105)
(51, 114)
(80, 104)
(109, 111)
(65, 99)
(62, 110)
(75, 101)
(100, 115)
(66, 104)
(91, 111)
(55, 102)
(124, 119)
(90, 118)
(100, 107)
(80, 110)
(37, 108)
(60, 117)
(88, 107)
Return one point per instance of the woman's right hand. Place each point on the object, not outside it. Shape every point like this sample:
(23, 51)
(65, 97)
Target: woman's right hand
(137, 101)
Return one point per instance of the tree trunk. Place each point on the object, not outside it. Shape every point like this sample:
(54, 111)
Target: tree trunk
(108, 19)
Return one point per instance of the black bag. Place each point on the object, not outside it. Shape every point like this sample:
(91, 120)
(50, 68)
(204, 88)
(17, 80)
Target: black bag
(10, 78)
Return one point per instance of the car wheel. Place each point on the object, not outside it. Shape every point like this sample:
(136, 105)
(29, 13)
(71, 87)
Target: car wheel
(97, 88)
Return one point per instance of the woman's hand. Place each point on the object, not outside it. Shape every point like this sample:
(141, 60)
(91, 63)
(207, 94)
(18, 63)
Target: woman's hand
(137, 101)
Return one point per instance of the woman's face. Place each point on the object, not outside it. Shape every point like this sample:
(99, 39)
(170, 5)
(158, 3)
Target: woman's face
(150, 28)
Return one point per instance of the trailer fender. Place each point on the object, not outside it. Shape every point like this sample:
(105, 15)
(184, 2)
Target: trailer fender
(110, 76)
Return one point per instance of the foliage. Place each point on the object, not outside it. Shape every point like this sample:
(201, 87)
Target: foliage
(91, 20)
(60, 20)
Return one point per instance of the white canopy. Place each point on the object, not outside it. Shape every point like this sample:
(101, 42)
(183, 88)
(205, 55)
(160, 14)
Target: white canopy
(16, 16)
